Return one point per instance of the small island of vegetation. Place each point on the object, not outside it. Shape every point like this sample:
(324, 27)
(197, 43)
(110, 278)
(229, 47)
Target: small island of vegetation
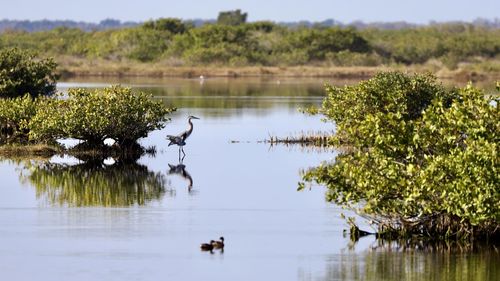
(32, 114)
(421, 160)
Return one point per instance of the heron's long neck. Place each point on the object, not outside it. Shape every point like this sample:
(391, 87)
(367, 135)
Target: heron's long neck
(190, 128)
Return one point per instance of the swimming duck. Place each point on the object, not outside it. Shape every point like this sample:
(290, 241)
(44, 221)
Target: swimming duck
(218, 244)
(207, 246)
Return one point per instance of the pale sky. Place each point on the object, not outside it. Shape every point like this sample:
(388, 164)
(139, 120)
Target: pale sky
(421, 11)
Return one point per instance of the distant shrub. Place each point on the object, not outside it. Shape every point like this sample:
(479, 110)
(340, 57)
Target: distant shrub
(319, 42)
(171, 25)
(348, 58)
(22, 73)
(232, 17)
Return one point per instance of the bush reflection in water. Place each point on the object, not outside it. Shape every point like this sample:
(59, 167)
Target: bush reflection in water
(93, 183)
(397, 260)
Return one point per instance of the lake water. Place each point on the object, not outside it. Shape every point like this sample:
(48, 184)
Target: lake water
(63, 219)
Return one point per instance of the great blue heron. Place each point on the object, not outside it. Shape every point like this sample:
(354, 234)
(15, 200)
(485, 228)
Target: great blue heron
(180, 139)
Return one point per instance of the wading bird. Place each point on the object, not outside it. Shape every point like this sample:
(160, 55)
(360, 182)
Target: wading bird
(180, 139)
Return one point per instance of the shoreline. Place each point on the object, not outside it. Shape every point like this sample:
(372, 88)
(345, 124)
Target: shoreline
(102, 68)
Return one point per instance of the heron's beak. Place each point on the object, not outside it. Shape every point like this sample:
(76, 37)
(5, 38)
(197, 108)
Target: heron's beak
(193, 117)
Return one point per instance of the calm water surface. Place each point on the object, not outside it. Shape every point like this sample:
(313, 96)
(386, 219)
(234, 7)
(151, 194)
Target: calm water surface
(64, 219)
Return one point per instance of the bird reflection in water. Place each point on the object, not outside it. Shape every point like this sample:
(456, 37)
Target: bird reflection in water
(180, 169)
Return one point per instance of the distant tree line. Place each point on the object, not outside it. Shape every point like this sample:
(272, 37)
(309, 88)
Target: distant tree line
(232, 41)
(44, 25)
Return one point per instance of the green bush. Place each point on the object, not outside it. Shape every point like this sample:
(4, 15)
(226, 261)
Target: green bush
(213, 44)
(95, 115)
(422, 160)
(15, 115)
(171, 25)
(319, 42)
(390, 93)
(132, 115)
(21, 73)
(348, 58)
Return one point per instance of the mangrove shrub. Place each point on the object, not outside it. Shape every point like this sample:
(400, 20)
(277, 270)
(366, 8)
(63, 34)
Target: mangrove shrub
(15, 115)
(95, 115)
(421, 159)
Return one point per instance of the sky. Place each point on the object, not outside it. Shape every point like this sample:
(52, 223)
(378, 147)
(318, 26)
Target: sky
(421, 11)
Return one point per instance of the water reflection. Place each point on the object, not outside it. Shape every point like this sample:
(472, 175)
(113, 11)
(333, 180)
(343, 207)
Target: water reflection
(180, 169)
(93, 183)
(237, 96)
(392, 261)
(220, 93)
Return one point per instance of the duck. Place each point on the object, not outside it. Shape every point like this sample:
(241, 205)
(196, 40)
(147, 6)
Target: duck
(218, 244)
(207, 246)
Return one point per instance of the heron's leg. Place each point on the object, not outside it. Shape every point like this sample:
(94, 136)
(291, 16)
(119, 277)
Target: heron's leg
(183, 151)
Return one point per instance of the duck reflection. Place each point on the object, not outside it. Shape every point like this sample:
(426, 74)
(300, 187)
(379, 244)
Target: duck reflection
(93, 183)
(180, 169)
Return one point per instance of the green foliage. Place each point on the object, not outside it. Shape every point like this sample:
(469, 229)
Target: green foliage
(94, 115)
(232, 17)
(213, 44)
(265, 26)
(138, 44)
(400, 97)
(171, 25)
(232, 41)
(132, 115)
(422, 160)
(21, 73)
(320, 42)
(15, 115)
(449, 43)
(348, 58)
